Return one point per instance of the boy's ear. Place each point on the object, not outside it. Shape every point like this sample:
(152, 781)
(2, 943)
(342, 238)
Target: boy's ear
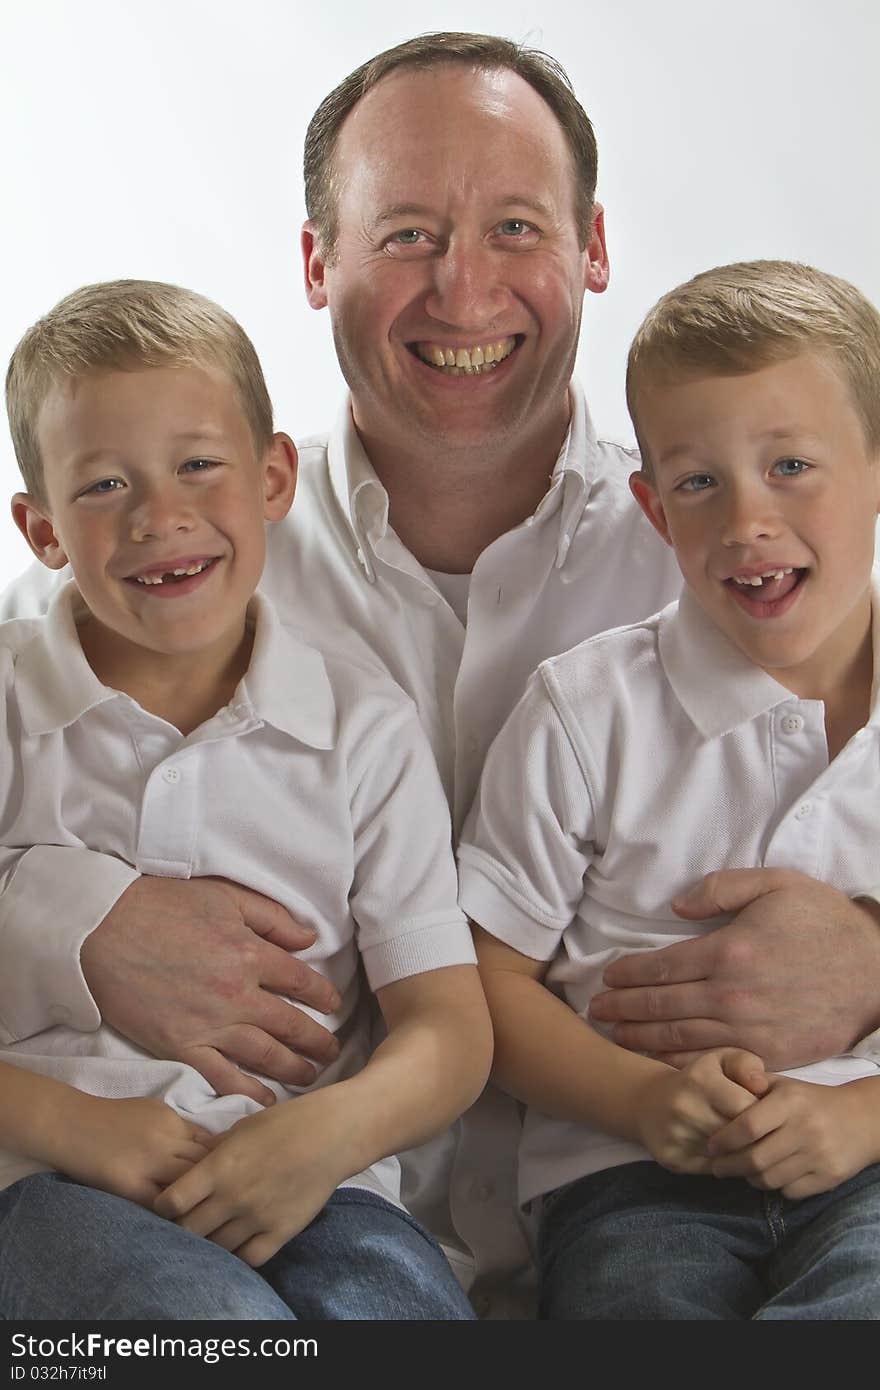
(313, 266)
(279, 477)
(35, 524)
(646, 495)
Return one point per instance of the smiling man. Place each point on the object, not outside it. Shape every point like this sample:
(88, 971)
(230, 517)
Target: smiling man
(461, 523)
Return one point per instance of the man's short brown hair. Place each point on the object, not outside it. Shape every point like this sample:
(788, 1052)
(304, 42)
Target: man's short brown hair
(482, 52)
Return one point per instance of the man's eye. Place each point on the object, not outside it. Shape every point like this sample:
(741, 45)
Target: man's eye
(409, 236)
(698, 482)
(102, 487)
(514, 227)
(790, 468)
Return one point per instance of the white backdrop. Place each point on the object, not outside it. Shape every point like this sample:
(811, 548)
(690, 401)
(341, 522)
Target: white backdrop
(163, 139)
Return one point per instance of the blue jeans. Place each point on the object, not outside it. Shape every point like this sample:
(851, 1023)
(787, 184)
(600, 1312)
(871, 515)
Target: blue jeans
(71, 1253)
(636, 1242)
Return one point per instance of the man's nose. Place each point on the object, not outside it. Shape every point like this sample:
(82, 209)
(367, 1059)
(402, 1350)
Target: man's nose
(467, 291)
(160, 511)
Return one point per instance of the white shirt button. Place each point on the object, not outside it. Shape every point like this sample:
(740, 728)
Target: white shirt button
(171, 775)
(482, 1191)
(792, 723)
(805, 809)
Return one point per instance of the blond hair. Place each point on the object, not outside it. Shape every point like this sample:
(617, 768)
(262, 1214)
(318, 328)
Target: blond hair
(126, 325)
(482, 52)
(739, 318)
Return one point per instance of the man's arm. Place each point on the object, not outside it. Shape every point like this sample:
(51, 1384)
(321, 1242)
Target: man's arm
(187, 969)
(794, 977)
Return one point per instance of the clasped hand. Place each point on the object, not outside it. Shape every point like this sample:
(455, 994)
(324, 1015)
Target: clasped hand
(725, 1115)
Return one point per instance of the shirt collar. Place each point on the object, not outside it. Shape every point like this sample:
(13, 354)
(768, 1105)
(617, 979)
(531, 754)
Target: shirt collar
(286, 684)
(364, 500)
(716, 685)
(56, 684)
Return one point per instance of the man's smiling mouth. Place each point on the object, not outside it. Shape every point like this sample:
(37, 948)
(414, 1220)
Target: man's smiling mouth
(465, 361)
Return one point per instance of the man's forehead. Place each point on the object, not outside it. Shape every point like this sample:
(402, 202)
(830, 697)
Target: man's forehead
(457, 129)
(409, 98)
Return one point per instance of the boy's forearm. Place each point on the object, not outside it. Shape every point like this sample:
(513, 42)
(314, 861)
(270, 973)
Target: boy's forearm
(37, 1114)
(432, 1066)
(548, 1057)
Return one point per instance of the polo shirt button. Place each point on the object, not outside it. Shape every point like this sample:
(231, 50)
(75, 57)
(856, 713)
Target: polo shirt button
(482, 1305)
(471, 745)
(792, 723)
(171, 775)
(482, 1191)
(805, 809)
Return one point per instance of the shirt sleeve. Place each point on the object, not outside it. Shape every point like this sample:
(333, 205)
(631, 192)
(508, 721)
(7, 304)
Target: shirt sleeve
(51, 897)
(404, 894)
(527, 842)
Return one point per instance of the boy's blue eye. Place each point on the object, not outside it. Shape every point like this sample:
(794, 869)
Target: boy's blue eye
(698, 482)
(790, 468)
(198, 465)
(103, 486)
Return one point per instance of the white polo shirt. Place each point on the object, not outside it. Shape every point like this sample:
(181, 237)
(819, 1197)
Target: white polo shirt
(587, 560)
(631, 767)
(314, 785)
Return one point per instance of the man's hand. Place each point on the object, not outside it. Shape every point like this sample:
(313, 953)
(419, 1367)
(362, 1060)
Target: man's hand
(795, 976)
(192, 969)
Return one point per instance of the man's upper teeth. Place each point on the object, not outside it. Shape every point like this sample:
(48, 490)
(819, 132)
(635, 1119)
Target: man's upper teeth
(160, 578)
(467, 360)
(757, 579)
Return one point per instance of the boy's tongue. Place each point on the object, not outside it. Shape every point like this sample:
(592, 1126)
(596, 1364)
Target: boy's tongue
(771, 590)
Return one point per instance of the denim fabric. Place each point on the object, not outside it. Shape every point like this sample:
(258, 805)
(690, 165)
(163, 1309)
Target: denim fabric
(636, 1242)
(71, 1253)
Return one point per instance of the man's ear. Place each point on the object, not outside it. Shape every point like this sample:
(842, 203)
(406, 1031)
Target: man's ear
(35, 524)
(646, 495)
(597, 271)
(313, 266)
(279, 477)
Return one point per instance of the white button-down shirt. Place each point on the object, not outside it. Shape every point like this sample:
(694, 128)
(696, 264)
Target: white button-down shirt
(632, 766)
(587, 560)
(314, 786)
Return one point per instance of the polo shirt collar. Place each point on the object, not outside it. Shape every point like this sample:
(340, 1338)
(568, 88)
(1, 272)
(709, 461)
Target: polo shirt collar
(286, 684)
(716, 685)
(56, 684)
(364, 500)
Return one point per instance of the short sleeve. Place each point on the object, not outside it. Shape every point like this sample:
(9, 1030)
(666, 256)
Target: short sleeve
(526, 844)
(404, 895)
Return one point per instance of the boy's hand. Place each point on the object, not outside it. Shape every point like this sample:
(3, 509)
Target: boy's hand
(679, 1110)
(799, 1139)
(266, 1178)
(132, 1148)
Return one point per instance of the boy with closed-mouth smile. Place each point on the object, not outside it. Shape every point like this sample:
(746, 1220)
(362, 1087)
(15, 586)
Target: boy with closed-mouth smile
(738, 728)
(162, 714)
